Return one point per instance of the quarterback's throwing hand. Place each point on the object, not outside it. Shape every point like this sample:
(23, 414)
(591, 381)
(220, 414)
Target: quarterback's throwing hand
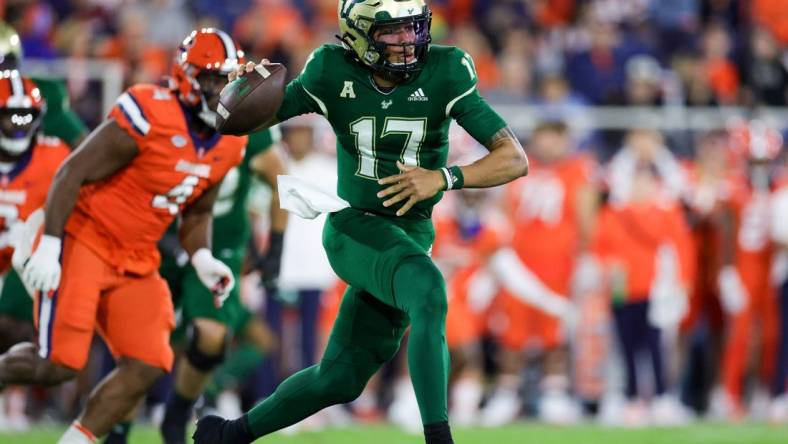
(214, 274)
(243, 69)
(412, 185)
(42, 270)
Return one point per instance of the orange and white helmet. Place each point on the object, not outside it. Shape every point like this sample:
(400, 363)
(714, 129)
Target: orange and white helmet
(755, 140)
(21, 112)
(205, 50)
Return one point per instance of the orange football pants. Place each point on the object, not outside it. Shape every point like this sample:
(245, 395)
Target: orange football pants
(133, 314)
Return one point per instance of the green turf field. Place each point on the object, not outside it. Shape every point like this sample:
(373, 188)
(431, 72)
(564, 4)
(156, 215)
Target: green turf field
(521, 434)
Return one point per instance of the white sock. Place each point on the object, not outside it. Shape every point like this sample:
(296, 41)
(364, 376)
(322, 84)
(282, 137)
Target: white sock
(77, 434)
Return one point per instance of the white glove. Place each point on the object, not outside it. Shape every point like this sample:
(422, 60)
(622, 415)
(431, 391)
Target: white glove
(667, 298)
(42, 270)
(587, 275)
(23, 244)
(733, 295)
(482, 289)
(214, 274)
(667, 304)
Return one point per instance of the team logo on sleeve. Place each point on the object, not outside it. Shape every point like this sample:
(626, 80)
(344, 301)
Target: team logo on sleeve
(178, 141)
(418, 96)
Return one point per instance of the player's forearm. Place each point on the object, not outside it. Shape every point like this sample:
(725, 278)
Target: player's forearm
(195, 231)
(62, 198)
(278, 215)
(268, 166)
(505, 162)
(726, 222)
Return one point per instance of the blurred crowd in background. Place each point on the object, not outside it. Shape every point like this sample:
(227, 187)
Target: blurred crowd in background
(621, 244)
(596, 52)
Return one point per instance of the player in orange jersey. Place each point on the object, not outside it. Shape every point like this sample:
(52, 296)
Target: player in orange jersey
(778, 411)
(551, 213)
(28, 162)
(707, 200)
(466, 238)
(157, 156)
(644, 245)
(746, 290)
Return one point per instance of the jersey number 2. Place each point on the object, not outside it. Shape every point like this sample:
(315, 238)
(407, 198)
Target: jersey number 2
(177, 195)
(365, 130)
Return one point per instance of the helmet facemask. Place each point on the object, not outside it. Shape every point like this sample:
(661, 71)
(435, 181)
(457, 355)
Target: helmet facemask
(18, 127)
(210, 84)
(411, 55)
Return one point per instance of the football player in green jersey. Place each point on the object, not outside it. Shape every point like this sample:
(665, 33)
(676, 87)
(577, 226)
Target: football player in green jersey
(16, 307)
(389, 96)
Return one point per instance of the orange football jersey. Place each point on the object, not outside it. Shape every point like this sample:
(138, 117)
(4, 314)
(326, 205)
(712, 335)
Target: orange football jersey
(24, 189)
(630, 236)
(464, 257)
(753, 235)
(543, 215)
(123, 217)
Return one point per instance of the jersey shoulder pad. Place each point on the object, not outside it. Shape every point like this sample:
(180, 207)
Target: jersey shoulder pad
(145, 106)
(319, 64)
(458, 66)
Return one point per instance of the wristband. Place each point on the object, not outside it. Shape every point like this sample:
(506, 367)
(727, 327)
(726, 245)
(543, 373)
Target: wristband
(453, 177)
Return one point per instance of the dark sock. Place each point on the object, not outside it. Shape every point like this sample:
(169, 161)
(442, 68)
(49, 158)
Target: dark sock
(438, 433)
(177, 414)
(119, 434)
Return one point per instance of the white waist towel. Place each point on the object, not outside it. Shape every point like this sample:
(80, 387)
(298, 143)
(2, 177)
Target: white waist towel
(306, 199)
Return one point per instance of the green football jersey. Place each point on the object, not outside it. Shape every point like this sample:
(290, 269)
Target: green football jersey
(231, 227)
(375, 128)
(59, 121)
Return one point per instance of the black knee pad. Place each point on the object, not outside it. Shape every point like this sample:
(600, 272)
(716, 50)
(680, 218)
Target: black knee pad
(198, 359)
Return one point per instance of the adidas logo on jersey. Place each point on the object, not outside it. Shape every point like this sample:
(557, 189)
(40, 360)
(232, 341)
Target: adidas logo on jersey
(418, 96)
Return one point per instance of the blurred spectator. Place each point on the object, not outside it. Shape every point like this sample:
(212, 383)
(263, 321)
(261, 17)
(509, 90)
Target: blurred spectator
(728, 12)
(694, 80)
(552, 13)
(473, 42)
(677, 23)
(764, 72)
(774, 15)
(168, 21)
(644, 81)
(145, 61)
(721, 72)
(35, 22)
(645, 146)
(597, 73)
(514, 86)
(273, 29)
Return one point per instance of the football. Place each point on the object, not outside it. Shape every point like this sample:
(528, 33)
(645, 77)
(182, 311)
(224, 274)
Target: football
(251, 99)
